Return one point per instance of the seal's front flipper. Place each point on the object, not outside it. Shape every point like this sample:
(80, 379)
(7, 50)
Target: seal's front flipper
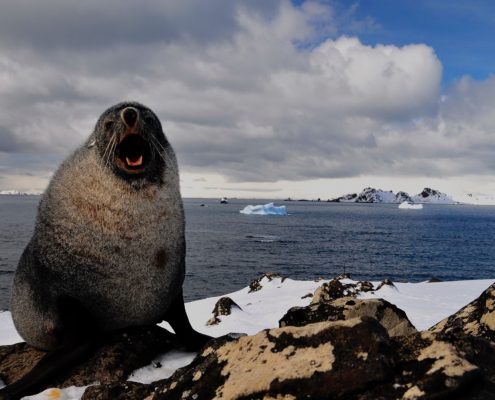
(78, 339)
(176, 316)
(47, 368)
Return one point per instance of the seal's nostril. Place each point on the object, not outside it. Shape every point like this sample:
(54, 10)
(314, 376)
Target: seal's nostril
(130, 115)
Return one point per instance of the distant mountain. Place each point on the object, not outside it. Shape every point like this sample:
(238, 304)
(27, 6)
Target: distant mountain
(372, 195)
(433, 196)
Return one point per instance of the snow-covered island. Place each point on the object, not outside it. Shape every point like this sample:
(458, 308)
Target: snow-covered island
(372, 195)
(338, 338)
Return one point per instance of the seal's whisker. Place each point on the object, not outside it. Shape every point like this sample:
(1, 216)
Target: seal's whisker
(109, 149)
(163, 157)
(112, 149)
(103, 158)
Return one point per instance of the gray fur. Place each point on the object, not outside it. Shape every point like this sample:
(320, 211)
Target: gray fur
(116, 245)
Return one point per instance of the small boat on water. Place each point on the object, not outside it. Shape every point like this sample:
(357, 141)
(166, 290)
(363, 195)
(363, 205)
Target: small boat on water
(224, 200)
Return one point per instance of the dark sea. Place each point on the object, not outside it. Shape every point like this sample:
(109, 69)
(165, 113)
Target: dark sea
(226, 250)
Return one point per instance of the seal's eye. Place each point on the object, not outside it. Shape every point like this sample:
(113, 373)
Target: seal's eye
(149, 120)
(109, 125)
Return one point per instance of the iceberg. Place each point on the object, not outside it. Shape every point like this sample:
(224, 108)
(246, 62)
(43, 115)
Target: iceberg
(408, 206)
(266, 209)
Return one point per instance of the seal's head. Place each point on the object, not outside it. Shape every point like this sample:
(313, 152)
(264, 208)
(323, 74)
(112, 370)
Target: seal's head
(130, 141)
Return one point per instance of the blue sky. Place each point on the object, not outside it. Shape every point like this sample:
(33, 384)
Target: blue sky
(461, 32)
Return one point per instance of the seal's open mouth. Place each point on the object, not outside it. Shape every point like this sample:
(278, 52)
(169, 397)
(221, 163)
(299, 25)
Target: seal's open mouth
(133, 153)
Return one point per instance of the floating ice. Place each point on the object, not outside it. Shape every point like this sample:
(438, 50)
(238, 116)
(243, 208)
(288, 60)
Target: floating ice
(408, 206)
(266, 209)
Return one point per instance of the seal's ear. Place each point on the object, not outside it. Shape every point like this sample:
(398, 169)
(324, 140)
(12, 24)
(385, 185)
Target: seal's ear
(92, 143)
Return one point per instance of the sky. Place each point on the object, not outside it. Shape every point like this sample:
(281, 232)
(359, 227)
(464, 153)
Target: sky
(266, 99)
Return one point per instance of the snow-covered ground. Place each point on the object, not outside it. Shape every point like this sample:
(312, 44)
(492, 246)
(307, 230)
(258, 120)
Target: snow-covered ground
(424, 303)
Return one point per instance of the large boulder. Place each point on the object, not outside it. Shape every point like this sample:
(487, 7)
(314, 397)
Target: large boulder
(475, 319)
(323, 360)
(392, 318)
(120, 354)
(353, 359)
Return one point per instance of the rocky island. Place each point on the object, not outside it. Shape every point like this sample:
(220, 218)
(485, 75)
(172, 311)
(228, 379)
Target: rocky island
(372, 195)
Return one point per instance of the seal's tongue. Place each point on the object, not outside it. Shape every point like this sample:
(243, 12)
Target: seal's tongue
(134, 163)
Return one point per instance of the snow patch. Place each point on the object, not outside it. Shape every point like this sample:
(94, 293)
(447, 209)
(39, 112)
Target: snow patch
(163, 367)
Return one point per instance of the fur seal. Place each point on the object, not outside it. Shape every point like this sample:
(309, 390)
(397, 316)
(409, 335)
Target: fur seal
(108, 250)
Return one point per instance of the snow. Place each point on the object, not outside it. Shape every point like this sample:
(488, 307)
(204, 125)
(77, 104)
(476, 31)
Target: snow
(69, 393)
(8, 333)
(407, 206)
(162, 367)
(424, 303)
(480, 199)
(266, 209)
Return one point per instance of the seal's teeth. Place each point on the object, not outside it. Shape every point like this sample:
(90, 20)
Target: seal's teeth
(136, 163)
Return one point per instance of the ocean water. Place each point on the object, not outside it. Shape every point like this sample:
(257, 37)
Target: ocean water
(226, 249)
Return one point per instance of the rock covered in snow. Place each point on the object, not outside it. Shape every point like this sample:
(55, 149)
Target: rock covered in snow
(223, 306)
(256, 284)
(401, 197)
(433, 196)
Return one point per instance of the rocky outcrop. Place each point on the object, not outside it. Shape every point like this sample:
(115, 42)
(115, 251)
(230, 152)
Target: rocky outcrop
(223, 306)
(119, 355)
(352, 359)
(339, 347)
(315, 361)
(329, 291)
(256, 284)
(392, 318)
(475, 319)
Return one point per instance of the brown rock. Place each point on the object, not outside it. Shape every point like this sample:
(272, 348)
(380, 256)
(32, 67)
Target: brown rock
(385, 282)
(117, 391)
(349, 360)
(255, 285)
(392, 318)
(364, 286)
(223, 306)
(121, 354)
(475, 319)
(323, 360)
(328, 291)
